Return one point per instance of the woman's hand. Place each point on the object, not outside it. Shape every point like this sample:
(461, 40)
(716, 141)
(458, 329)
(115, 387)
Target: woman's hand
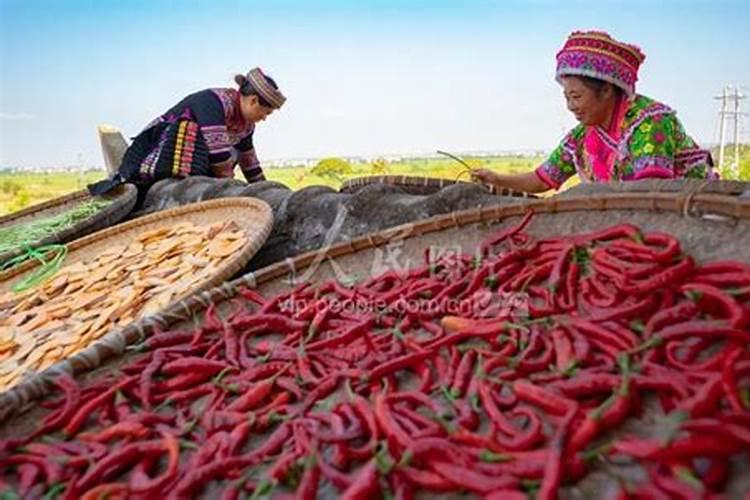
(484, 176)
(527, 182)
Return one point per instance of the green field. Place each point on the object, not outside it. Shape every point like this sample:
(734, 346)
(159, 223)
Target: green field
(19, 190)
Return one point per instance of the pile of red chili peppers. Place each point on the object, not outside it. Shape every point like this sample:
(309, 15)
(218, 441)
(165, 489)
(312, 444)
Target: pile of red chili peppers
(295, 396)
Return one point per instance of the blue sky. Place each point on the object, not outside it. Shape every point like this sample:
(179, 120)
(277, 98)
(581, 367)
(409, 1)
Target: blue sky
(362, 77)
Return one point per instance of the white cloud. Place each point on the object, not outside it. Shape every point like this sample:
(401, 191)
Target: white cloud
(16, 116)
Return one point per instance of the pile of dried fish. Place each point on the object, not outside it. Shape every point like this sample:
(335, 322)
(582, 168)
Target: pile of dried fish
(87, 299)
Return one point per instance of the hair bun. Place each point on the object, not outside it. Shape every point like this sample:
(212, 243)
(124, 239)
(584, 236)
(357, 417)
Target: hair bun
(240, 80)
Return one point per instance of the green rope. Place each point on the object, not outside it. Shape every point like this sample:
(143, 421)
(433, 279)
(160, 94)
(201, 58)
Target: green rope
(20, 236)
(42, 273)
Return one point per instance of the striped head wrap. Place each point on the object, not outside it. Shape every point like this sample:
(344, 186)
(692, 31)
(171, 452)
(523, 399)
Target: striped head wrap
(263, 87)
(597, 55)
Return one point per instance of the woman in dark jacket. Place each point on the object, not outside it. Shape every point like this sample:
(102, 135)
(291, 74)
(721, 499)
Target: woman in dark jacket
(207, 133)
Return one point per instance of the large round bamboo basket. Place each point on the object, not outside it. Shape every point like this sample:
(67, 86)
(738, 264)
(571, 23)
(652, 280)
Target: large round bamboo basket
(123, 200)
(252, 215)
(708, 227)
(420, 185)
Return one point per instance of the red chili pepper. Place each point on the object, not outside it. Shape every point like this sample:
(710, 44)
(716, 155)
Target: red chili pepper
(618, 258)
(729, 380)
(717, 474)
(270, 321)
(462, 373)
(308, 485)
(109, 491)
(346, 337)
(563, 349)
(167, 339)
(682, 311)
(587, 385)
(387, 423)
(628, 231)
(678, 449)
(65, 413)
(322, 390)
(426, 479)
(182, 381)
(116, 461)
(190, 364)
(191, 394)
(486, 246)
(636, 309)
(173, 457)
(553, 472)
(396, 364)
(422, 424)
(253, 397)
(548, 401)
(616, 276)
(702, 329)
(670, 276)
(472, 480)
(709, 295)
(671, 246)
(365, 484)
(125, 429)
(661, 383)
(200, 476)
(712, 363)
(147, 376)
(525, 363)
(88, 408)
(607, 416)
(262, 371)
(529, 437)
(340, 480)
(598, 333)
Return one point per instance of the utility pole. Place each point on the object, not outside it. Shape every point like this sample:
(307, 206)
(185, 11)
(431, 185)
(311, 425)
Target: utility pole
(722, 125)
(730, 95)
(737, 113)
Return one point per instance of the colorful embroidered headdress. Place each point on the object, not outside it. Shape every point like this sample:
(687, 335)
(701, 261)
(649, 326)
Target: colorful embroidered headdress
(268, 92)
(597, 55)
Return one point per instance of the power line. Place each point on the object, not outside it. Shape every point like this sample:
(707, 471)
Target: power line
(731, 108)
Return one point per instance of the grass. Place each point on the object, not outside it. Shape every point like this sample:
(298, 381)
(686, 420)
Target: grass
(298, 177)
(20, 190)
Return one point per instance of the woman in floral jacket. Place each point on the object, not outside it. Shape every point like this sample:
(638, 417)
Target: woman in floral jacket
(621, 135)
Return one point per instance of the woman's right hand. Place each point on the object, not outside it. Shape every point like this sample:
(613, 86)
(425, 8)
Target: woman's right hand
(484, 175)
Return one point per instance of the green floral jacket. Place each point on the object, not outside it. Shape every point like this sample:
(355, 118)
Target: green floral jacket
(652, 143)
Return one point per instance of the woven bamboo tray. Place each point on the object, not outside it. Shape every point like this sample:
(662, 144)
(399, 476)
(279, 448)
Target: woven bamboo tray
(708, 226)
(420, 185)
(123, 200)
(251, 214)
